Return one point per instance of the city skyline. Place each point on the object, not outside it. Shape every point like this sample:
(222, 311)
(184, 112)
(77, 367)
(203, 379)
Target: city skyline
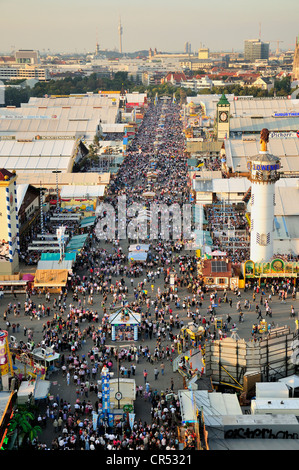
(76, 27)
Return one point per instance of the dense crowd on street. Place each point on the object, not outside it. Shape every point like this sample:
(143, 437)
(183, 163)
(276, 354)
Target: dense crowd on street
(70, 321)
(103, 275)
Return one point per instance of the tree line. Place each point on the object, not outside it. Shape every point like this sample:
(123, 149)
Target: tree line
(121, 81)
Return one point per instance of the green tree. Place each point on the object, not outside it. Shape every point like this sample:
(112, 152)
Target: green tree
(16, 96)
(21, 424)
(283, 86)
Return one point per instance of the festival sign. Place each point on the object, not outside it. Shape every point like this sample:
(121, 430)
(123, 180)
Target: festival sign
(4, 363)
(275, 268)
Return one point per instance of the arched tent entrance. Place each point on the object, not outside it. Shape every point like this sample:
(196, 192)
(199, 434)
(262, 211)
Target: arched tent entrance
(124, 324)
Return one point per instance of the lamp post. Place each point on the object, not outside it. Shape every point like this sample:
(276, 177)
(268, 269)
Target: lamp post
(118, 394)
(41, 205)
(57, 191)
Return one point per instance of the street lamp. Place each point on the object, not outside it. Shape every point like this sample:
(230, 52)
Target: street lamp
(57, 191)
(41, 206)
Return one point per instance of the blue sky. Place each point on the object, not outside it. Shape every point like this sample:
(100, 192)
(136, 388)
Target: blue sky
(73, 25)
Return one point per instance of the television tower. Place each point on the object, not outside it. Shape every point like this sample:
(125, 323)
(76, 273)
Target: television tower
(120, 32)
(263, 174)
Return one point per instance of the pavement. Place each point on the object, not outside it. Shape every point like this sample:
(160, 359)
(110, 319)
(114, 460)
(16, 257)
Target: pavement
(59, 387)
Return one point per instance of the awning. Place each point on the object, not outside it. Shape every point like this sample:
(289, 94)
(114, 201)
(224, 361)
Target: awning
(51, 278)
(76, 243)
(139, 247)
(56, 256)
(13, 283)
(87, 222)
(218, 253)
(28, 277)
(42, 388)
(137, 256)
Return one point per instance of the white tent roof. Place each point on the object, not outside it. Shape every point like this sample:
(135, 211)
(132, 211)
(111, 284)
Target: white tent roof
(74, 100)
(42, 388)
(37, 156)
(37, 148)
(271, 390)
(21, 191)
(46, 264)
(247, 106)
(237, 152)
(262, 107)
(292, 381)
(113, 127)
(214, 405)
(25, 389)
(222, 185)
(84, 191)
(137, 98)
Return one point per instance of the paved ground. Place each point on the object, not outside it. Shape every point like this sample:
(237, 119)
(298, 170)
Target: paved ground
(59, 387)
(281, 316)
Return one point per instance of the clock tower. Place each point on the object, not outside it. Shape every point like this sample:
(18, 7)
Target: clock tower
(222, 118)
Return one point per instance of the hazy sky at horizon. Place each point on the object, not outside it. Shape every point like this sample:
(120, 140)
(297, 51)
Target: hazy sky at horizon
(75, 26)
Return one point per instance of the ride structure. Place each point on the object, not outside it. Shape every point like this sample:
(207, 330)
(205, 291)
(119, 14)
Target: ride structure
(263, 174)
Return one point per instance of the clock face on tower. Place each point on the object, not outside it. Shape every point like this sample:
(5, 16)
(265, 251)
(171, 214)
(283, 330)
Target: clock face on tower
(223, 116)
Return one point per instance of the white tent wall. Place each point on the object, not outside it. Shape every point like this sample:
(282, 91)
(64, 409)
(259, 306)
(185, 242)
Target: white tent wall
(271, 390)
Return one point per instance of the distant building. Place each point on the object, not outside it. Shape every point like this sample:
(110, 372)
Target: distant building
(16, 72)
(166, 55)
(24, 56)
(187, 48)
(265, 83)
(255, 49)
(296, 61)
(196, 64)
(203, 53)
(152, 78)
(175, 78)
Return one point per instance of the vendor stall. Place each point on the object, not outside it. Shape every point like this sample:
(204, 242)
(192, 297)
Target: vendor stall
(124, 325)
(139, 252)
(46, 357)
(35, 389)
(140, 256)
(52, 280)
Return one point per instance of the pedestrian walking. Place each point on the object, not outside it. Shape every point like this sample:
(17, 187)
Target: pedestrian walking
(55, 425)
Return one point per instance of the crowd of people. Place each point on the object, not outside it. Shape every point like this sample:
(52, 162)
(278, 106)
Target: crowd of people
(73, 426)
(230, 230)
(103, 279)
(103, 274)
